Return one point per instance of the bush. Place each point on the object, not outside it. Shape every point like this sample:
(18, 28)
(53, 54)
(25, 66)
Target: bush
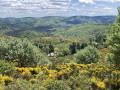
(21, 84)
(80, 82)
(66, 52)
(57, 85)
(88, 55)
(7, 68)
(60, 60)
(22, 49)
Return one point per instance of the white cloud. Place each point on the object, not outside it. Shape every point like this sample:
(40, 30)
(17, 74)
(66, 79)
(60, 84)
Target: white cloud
(40, 7)
(93, 1)
(109, 0)
(107, 8)
(35, 5)
(87, 1)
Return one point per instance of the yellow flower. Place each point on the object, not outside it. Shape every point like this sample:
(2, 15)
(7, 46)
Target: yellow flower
(83, 72)
(16, 60)
(20, 69)
(83, 65)
(106, 80)
(1, 79)
(101, 85)
(33, 80)
(26, 72)
(93, 80)
(8, 79)
(42, 88)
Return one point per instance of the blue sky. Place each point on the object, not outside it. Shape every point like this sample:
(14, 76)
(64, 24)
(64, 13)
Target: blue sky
(40, 8)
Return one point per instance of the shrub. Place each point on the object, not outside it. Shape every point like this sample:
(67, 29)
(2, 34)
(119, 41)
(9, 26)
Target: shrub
(5, 79)
(88, 55)
(22, 49)
(60, 60)
(7, 68)
(80, 82)
(57, 85)
(21, 84)
(33, 80)
(66, 52)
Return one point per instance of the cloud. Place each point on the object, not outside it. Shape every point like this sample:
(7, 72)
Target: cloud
(56, 7)
(109, 0)
(107, 8)
(34, 5)
(94, 1)
(87, 1)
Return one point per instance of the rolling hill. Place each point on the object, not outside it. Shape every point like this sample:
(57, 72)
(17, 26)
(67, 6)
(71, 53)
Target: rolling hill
(74, 27)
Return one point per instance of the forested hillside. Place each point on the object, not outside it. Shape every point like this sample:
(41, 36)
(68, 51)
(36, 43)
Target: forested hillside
(32, 27)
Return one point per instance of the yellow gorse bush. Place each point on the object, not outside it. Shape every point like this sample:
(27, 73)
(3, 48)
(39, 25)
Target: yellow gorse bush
(5, 79)
(96, 71)
(26, 72)
(101, 85)
(33, 80)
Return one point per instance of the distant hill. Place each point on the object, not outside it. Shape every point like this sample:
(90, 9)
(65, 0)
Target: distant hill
(83, 31)
(52, 26)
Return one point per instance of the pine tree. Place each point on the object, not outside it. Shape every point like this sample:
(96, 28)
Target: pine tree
(83, 45)
(51, 48)
(78, 46)
(72, 48)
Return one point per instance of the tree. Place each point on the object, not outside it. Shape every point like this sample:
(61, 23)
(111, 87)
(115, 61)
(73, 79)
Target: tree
(23, 50)
(51, 48)
(87, 55)
(66, 52)
(72, 48)
(83, 45)
(113, 40)
(78, 46)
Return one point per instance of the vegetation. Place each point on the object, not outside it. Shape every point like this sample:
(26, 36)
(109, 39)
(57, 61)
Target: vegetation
(86, 63)
(72, 27)
(22, 50)
(113, 39)
(7, 68)
(83, 31)
(88, 55)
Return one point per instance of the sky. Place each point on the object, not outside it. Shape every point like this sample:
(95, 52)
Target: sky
(41, 8)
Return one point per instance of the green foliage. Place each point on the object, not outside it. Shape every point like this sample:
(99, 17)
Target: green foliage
(54, 26)
(88, 55)
(84, 31)
(7, 68)
(61, 60)
(21, 49)
(51, 48)
(81, 82)
(83, 45)
(66, 52)
(57, 85)
(113, 40)
(72, 48)
(31, 34)
(25, 85)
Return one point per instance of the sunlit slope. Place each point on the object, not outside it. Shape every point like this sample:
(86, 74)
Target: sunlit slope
(84, 31)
